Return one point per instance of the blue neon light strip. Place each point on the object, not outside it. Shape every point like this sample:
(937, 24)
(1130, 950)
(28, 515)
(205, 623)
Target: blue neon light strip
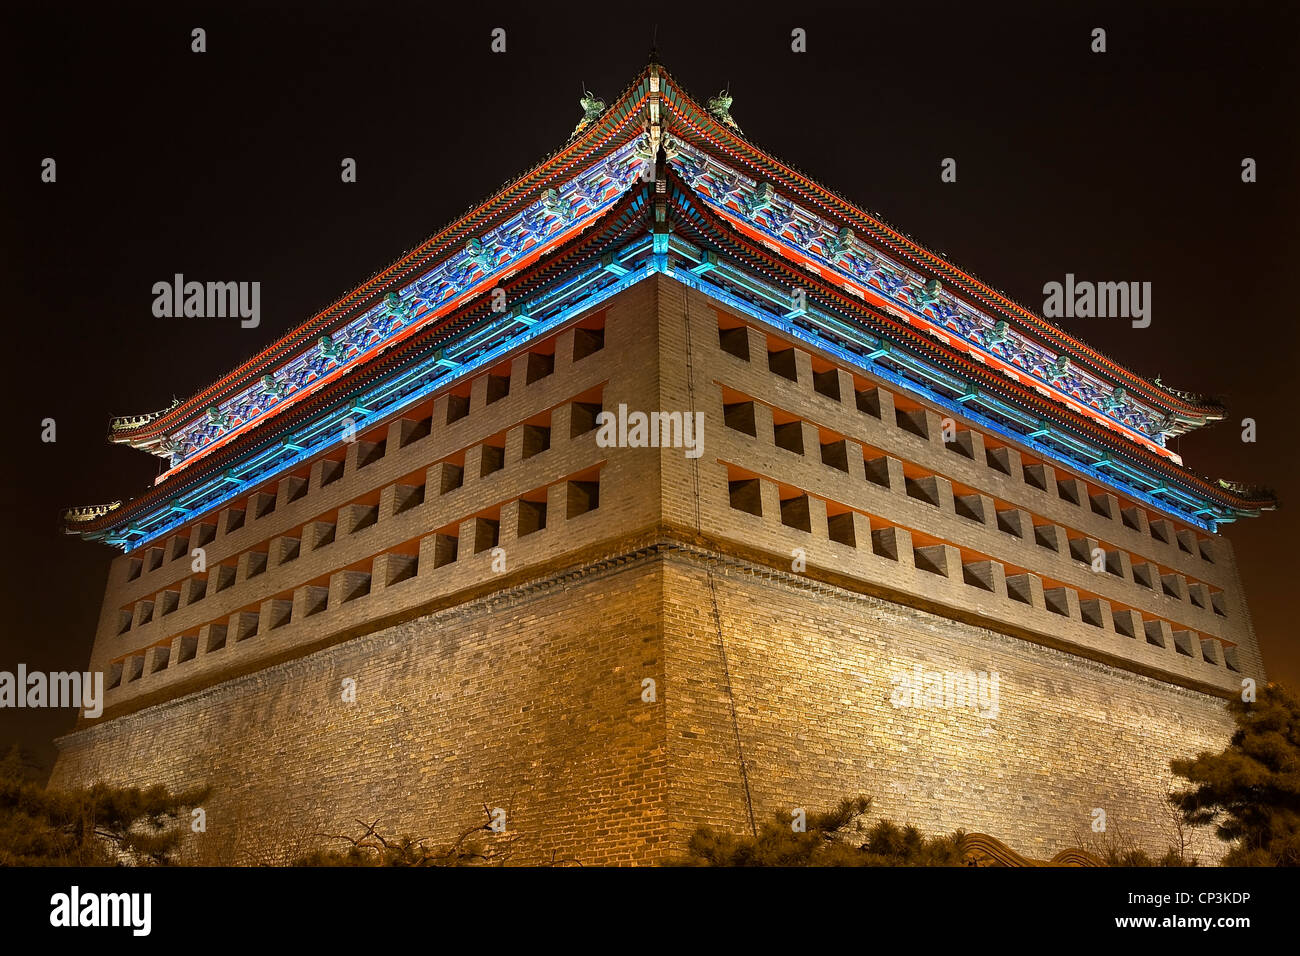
(193, 434)
(910, 385)
(431, 375)
(328, 432)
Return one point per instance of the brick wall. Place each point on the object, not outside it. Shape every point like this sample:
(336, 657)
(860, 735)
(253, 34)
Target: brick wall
(522, 688)
(1185, 638)
(529, 702)
(812, 670)
(330, 547)
(532, 701)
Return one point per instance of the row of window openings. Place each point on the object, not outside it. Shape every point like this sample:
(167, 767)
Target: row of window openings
(971, 507)
(790, 436)
(782, 362)
(540, 365)
(746, 496)
(536, 439)
(246, 624)
(582, 497)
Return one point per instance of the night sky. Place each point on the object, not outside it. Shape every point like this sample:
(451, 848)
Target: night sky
(1122, 166)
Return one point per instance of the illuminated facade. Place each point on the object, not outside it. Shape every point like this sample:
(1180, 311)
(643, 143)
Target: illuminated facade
(901, 468)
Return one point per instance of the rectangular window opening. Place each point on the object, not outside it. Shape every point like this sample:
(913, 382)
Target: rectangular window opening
(587, 342)
(532, 517)
(537, 439)
(782, 363)
(494, 459)
(827, 383)
(740, 417)
(735, 342)
(539, 366)
(840, 528)
(582, 417)
(794, 513)
(583, 496)
(789, 436)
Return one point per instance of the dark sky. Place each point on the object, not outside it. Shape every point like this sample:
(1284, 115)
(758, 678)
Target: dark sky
(225, 165)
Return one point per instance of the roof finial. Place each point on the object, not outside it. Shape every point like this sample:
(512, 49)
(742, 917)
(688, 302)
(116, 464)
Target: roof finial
(592, 106)
(720, 108)
(654, 44)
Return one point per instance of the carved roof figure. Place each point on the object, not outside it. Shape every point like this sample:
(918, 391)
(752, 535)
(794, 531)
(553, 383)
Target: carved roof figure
(720, 108)
(592, 106)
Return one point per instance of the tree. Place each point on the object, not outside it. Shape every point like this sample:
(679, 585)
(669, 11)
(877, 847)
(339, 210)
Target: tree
(93, 826)
(471, 848)
(19, 763)
(835, 838)
(1250, 791)
(479, 844)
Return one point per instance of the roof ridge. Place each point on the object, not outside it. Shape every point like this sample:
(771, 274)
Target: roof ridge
(586, 141)
(1192, 398)
(342, 307)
